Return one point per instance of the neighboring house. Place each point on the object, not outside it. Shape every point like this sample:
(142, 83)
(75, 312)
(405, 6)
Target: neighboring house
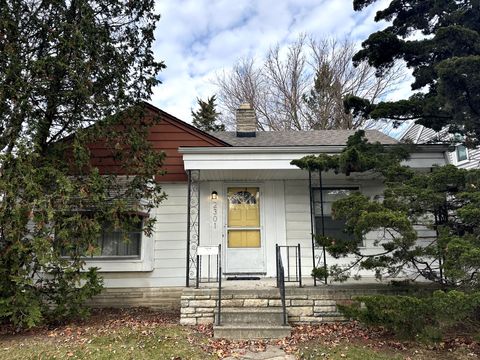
(237, 189)
(458, 154)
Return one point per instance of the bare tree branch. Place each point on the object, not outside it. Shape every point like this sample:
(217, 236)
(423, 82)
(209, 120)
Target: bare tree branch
(303, 87)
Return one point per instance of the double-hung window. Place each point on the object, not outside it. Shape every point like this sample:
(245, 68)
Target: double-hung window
(334, 228)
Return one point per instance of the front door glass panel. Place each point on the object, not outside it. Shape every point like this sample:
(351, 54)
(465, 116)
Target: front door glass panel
(243, 217)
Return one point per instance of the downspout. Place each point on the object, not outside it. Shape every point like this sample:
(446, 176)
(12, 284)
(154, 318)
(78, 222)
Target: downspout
(189, 196)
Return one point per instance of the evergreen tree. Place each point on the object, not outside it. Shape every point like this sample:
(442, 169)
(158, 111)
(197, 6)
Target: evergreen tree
(445, 200)
(72, 74)
(445, 63)
(324, 102)
(206, 116)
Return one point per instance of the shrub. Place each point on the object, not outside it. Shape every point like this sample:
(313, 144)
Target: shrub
(410, 316)
(404, 315)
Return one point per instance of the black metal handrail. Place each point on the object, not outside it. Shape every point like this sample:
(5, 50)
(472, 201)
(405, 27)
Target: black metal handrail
(281, 283)
(296, 275)
(219, 283)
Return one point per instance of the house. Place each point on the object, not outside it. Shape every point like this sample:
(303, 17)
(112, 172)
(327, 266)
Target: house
(458, 155)
(237, 189)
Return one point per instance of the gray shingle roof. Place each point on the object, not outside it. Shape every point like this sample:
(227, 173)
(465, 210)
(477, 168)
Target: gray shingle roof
(300, 138)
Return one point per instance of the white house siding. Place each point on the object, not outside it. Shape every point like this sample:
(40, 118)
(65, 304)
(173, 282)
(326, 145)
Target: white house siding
(297, 216)
(473, 161)
(286, 221)
(425, 135)
(298, 228)
(411, 133)
(419, 134)
(297, 199)
(169, 246)
(213, 216)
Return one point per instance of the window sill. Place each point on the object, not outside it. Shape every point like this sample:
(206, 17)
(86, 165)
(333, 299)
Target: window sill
(120, 265)
(112, 258)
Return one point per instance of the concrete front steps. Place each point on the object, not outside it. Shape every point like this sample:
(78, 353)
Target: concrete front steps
(306, 305)
(251, 323)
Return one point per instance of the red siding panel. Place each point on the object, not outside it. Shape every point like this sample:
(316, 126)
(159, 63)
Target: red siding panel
(167, 135)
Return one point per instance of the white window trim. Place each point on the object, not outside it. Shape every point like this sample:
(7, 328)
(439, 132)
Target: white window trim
(455, 156)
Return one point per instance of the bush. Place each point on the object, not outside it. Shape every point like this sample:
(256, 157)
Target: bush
(61, 297)
(410, 316)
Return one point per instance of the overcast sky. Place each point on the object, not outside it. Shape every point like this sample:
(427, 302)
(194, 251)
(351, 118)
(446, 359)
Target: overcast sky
(197, 38)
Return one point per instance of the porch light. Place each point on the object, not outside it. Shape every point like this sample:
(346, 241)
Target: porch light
(214, 195)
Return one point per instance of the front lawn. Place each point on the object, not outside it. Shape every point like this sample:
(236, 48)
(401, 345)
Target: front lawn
(145, 334)
(356, 342)
(358, 351)
(110, 334)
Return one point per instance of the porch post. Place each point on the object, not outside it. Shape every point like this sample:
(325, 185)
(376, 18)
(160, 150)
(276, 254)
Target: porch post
(323, 225)
(312, 222)
(193, 223)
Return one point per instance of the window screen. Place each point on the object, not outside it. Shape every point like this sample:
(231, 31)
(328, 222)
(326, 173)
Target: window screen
(116, 243)
(462, 154)
(333, 228)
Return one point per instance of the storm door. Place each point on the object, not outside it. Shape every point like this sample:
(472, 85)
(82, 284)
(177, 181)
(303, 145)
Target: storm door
(244, 245)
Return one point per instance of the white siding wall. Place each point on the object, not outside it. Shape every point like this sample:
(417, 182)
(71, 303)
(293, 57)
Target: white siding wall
(473, 161)
(287, 222)
(299, 229)
(272, 205)
(169, 245)
(297, 214)
(419, 134)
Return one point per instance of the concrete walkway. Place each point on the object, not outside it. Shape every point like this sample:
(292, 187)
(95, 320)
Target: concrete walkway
(271, 353)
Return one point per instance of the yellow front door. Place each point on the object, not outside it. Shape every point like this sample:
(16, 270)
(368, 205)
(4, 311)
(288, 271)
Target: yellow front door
(245, 251)
(243, 223)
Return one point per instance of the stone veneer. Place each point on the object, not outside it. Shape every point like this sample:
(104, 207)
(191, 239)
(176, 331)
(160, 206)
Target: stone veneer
(304, 305)
(155, 298)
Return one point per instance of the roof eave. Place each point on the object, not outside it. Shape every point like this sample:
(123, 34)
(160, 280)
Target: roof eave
(295, 149)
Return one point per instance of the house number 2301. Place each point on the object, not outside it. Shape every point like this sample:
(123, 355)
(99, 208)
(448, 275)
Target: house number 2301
(214, 214)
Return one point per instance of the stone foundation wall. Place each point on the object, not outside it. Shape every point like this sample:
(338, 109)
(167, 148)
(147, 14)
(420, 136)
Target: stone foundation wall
(155, 298)
(304, 305)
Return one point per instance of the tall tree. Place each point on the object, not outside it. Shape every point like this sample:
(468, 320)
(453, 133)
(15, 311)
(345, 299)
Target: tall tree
(440, 42)
(72, 73)
(206, 116)
(304, 88)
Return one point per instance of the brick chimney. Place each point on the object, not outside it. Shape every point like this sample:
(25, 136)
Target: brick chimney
(246, 121)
